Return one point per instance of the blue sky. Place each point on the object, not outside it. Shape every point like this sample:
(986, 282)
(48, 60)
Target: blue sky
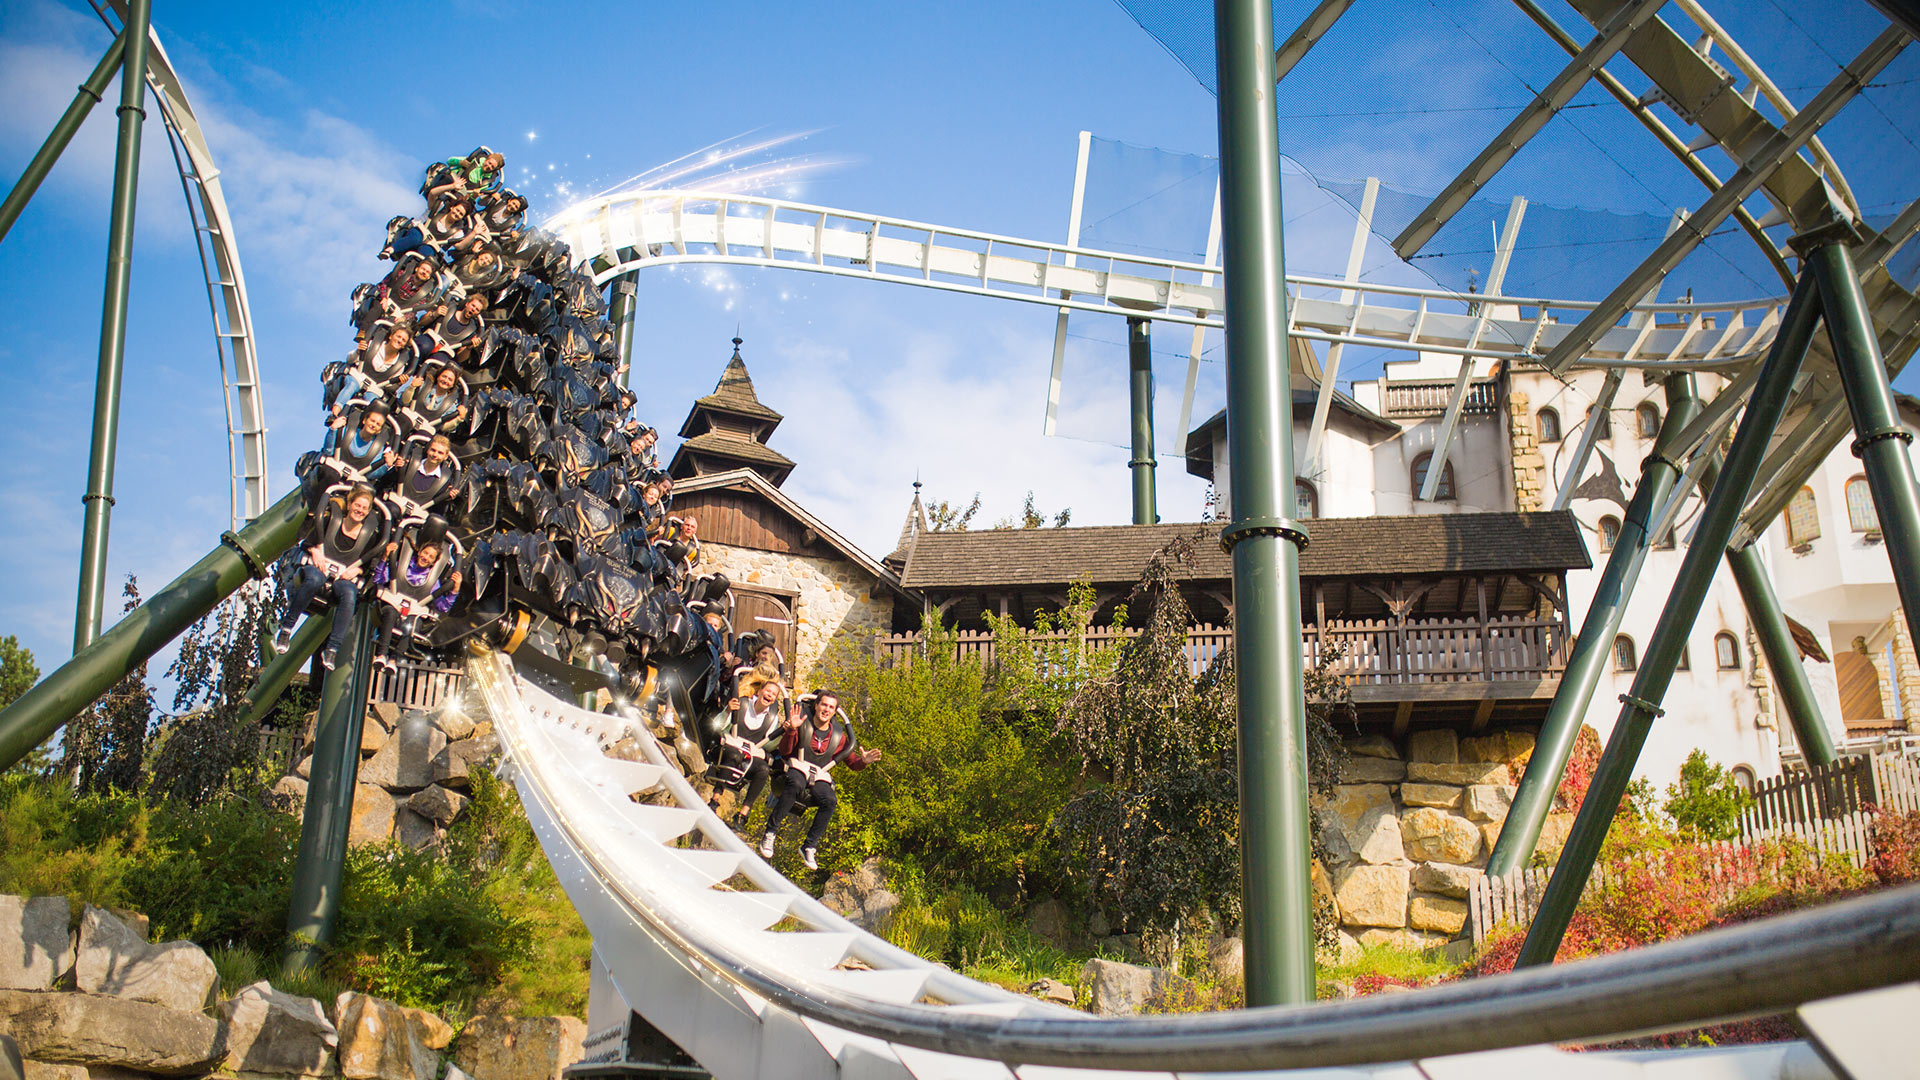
(957, 114)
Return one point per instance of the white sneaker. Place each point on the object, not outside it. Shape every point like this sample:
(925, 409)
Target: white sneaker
(766, 846)
(282, 640)
(807, 859)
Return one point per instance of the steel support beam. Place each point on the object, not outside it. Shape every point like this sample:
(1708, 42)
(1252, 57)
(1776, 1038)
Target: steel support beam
(1659, 129)
(1783, 656)
(328, 816)
(1140, 397)
(279, 671)
(1557, 95)
(1052, 423)
(1275, 852)
(90, 608)
(1641, 703)
(1880, 440)
(1591, 650)
(142, 632)
(83, 102)
(1330, 374)
(1307, 35)
(1752, 173)
(1450, 419)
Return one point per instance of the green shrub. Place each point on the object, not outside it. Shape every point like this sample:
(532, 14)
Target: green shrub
(1706, 802)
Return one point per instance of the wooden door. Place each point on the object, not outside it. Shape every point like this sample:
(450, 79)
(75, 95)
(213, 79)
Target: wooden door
(771, 612)
(1859, 687)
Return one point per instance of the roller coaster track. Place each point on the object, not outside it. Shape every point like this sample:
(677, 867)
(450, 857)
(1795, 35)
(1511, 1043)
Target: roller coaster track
(755, 978)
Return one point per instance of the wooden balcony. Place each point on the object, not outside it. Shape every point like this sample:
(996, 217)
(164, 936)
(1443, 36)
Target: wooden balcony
(1434, 672)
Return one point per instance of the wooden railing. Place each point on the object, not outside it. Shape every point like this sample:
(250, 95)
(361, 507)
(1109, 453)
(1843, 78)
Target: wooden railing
(1430, 398)
(1889, 781)
(417, 686)
(1361, 652)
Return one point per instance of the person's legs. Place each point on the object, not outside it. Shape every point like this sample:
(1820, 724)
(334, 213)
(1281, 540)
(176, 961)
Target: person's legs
(308, 582)
(790, 795)
(756, 781)
(825, 802)
(391, 638)
(345, 595)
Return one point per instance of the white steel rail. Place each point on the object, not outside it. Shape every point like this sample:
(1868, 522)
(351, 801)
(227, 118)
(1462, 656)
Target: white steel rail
(616, 234)
(226, 284)
(754, 978)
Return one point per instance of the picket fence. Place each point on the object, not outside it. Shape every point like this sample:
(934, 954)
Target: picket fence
(412, 686)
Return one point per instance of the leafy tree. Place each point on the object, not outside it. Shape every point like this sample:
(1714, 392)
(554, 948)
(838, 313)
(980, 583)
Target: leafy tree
(1032, 518)
(1156, 832)
(18, 672)
(1706, 801)
(105, 747)
(203, 748)
(945, 516)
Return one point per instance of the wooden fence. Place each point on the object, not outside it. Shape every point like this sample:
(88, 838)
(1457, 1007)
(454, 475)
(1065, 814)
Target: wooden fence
(1821, 792)
(1730, 866)
(417, 686)
(1361, 651)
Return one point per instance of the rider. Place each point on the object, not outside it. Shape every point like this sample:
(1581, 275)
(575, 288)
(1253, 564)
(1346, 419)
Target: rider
(362, 451)
(419, 581)
(757, 708)
(813, 745)
(422, 479)
(340, 543)
(438, 404)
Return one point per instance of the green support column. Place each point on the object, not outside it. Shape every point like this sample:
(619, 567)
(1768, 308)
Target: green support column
(328, 818)
(1776, 644)
(98, 500)
(280, 670)
(1594, 646)
(1879, 439)
(1641, 704)
(1140, 382)
(42, 163)
(140, 633)
(1275, 854)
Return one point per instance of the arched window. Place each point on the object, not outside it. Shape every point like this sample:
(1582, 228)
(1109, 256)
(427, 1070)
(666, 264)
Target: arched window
(1646, 419)
(1306, 501)
(1609, 532)
(1623, 654)
(1442, 492)
(1726, 652)
(1602, 422)
(1744, 776)
(1803, 520)
(1860, 510)
(1547, 422)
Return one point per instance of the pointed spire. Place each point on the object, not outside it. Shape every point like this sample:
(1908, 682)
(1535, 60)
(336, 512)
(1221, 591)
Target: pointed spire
(915, 524)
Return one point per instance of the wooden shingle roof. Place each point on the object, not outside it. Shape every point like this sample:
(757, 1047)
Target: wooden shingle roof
(725, 444)
(1341, 547)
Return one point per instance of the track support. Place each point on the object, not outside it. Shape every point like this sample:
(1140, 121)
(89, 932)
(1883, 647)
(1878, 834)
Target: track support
(325, 824)
(1641, 704)
(90, 609)
(1879, 439)
(1140, 390)
(63, 131)
(1534, 799)
(279, 671)
(1274, 848)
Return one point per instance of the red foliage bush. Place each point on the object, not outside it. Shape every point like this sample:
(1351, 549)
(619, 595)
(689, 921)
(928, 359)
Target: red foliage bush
(1581, 761)
(1373, 982)
(1896, 846)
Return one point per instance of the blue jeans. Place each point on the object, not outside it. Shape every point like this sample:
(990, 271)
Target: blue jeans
(309, 583)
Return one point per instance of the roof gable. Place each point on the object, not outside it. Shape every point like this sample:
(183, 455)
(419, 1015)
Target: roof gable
(748, 480)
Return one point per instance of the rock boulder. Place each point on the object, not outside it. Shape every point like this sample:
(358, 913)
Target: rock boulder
(1116, 989)
(1441, 914)
(437, 804)
(93, 1030)
(378, 1041)
(35, 947)
(1436, 745)
(862, 896)
(115, 961)
(373, 810)
(1436, 836)
(1372, 895)
(1360, 823)
(496, 1046)
(405, 763)
(272, 1032)
(1445, 879)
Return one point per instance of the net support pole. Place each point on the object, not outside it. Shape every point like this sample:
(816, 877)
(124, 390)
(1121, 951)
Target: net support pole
(1140, 395)
(1534, 798)
(63, 131)
(90, 607)
(1879, 439)
(132, 641)
(327, 820)
(1641, 704)
(1275, 856)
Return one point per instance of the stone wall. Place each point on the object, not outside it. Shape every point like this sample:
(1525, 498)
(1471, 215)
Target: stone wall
(838, 600)
(1529, 467)
(412, 777)
(1411, 827)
